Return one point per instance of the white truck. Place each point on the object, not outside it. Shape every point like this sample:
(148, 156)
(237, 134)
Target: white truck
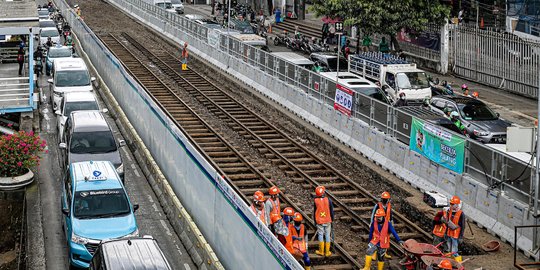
(395, 75)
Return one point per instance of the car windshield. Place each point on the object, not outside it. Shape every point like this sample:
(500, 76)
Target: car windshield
(56, 53)
(412, 80)
(165, 5)
(49, 33)
(80, 106)
(213, 26)
(96, 142)
(373, 92)
(43, 12)
(476, 111)
(72, 78)
(332, 64)
(176, 2)
(48, 23)
(100, 203)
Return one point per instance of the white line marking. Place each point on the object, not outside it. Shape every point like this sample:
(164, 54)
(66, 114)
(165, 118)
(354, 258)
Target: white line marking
(179, 251)
(166, 228)
(137, 173)
(187, 266)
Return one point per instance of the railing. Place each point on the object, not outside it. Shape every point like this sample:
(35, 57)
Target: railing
(525, 266)
(14, 92)
(484, 164)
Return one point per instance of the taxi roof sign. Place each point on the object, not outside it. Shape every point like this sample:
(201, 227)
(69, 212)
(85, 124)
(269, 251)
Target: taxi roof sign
(96, 176)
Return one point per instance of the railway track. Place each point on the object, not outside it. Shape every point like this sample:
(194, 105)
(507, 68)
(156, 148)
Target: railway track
(353, 204)
(243, 176)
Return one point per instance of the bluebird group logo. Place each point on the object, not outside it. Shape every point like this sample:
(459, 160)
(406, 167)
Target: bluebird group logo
(96, 173)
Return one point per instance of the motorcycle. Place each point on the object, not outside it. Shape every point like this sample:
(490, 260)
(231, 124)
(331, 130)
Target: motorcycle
(38, 68)
(281, 39)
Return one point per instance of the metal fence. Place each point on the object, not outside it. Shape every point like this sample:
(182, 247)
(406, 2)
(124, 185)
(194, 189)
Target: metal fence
(485, 164)
(497, 59)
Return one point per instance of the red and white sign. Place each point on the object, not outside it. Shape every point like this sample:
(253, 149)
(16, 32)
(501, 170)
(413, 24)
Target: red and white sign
(316, 86)
(343, 101)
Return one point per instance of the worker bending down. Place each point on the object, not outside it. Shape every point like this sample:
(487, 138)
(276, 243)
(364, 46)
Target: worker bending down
(379, 240)
(296, 240)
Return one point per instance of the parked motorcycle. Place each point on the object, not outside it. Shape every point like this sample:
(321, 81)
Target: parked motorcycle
(281, 39)
(38, 67)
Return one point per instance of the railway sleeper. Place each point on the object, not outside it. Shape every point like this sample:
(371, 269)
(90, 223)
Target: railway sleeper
(248, 183)
(247, 176)
(203, 140)
(210, 144)
(231, 165)
(249, 191)
(236, 170)
(225, 160)
(216, 149)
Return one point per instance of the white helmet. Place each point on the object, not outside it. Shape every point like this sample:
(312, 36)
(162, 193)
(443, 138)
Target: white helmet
(454, 114)
(76, 6)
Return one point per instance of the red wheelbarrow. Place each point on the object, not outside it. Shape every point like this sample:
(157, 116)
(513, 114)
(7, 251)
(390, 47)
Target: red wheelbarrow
(414, 251)
(432, 261)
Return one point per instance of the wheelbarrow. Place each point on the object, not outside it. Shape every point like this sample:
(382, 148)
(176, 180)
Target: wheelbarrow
(414, 251)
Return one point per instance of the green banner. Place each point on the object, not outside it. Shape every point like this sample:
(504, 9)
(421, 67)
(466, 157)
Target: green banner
(437, 144)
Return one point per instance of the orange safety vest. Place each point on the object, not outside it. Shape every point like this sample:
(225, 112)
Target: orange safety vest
(259, 213)
(440, 229)
(276, 206)
(184, 53)
(455, 219)
(388, 209)
(288, 238)
(382, 236)
(322, 211)
(297, 244)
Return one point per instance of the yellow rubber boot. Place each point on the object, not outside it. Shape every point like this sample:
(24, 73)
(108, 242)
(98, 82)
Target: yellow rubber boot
(380, 265)
(458, 259)
(374, 256)
(367, 266)
(328, 253)
(307, 267)
(387, 256)
(321, 249)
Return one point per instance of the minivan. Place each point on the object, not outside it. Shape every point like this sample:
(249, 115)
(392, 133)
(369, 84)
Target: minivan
(129, 254)
(75, 101)
(358, 85)
(70, 75)
(87, 136)
(296, 59)
(96, 207)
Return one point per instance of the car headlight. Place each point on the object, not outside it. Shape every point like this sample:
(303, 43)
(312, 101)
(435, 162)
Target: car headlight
(79, 239)
(135, 233)
(120, 169)
(478, 132)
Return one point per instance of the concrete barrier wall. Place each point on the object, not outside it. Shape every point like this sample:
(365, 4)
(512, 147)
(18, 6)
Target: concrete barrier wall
(491, 209)
(184, 178)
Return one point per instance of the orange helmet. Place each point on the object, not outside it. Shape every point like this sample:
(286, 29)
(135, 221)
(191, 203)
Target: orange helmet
(455, 200)
(445, 264)
(298, 217)
(274, 218)
(273, 190)
(385, 195)
(288, 211)
(258, 196)
(475, 94)
(319, 191)
(380, 213)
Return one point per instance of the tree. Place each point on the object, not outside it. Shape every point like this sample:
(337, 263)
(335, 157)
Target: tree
(385, 17)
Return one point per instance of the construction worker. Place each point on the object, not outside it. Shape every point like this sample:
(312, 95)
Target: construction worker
(379, 240)
(298, 235)
(77, 10)
(185, 55)
(288, 214)
(455, 221)
(439, 229)
(384, 204)
(323, 214)
(444, 264)
(258, 206)
(272, 205)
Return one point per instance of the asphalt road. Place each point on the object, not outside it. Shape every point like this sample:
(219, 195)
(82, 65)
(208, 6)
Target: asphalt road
(150, 217)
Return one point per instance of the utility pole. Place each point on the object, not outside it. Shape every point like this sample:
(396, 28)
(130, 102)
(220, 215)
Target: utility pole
(537, 178)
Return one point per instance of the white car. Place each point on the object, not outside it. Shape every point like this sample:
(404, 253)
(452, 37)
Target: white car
(47, 32)
(74, 101)
(70, 75)
(178, 6)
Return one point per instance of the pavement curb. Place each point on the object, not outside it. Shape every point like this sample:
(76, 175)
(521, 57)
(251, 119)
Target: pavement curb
(195, 243)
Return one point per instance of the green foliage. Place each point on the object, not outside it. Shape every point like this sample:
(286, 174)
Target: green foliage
(384, 16)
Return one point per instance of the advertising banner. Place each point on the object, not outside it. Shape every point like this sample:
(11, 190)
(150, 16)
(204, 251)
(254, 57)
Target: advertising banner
(430, 38)
(343, 100)
(438, 145)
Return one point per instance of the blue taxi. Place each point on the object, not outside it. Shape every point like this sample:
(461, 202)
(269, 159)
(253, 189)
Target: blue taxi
(95, 207)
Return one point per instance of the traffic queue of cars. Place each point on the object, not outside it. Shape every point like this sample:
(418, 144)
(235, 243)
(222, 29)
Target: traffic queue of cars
(98, 216)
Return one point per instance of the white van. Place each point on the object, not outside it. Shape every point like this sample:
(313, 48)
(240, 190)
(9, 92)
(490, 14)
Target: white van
(70, 75)
(295, 59)
(358, 85)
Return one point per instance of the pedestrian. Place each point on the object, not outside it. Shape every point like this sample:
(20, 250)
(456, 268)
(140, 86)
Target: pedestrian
(324, 31)
(347, 49)
(383, 46)
(278, 15)
(455, 222)
(402, 101)
(298, 235)
(331, 33)
(273, 205)
(20, 60)
(465, 90)
(379, 239)
(257, 207)
(185, 56)
(366, 43)
(77, 10)
(323, 214)
(343, 41)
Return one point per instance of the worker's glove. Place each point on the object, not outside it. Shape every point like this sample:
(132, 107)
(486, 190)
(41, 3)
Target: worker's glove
(443, 219)
(451, 225)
